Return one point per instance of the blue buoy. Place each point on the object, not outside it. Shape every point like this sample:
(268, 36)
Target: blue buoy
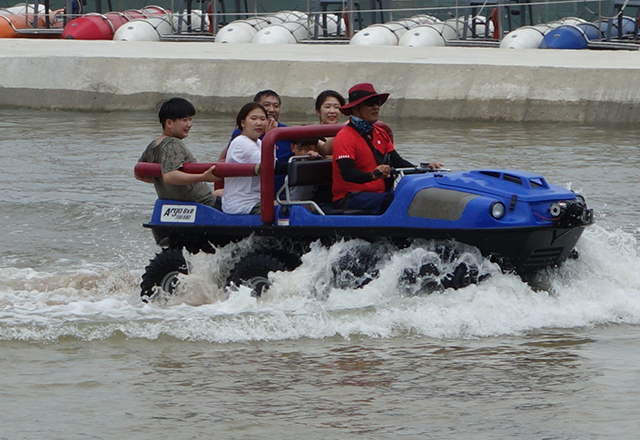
(628, 26)
(604, 27)
(565, 37)
(591, 31)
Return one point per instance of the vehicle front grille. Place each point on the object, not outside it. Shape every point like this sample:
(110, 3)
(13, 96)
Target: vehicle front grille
(543, 258)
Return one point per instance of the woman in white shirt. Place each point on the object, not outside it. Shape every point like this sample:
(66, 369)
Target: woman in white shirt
(242, 194)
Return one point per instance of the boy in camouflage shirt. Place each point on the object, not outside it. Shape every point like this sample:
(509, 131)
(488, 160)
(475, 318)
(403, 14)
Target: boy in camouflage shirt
(176, 117)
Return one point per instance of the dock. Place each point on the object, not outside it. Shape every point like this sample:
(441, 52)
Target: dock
(453, 83)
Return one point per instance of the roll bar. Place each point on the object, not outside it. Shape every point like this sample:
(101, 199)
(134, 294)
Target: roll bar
(267, 209)
(223, 169)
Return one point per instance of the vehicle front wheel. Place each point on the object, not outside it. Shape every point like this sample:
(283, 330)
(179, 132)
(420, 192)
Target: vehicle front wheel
(162, 273)
(253, 271)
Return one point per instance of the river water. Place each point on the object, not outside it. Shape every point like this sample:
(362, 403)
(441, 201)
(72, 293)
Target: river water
(83, 358)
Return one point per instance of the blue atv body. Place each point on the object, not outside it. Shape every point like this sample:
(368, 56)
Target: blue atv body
(539, 226)
(514, 217)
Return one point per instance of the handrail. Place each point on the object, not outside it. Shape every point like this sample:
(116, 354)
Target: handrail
(223, 169)
(267, 209)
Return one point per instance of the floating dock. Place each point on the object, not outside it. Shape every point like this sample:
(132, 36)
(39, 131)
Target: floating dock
(471, 83)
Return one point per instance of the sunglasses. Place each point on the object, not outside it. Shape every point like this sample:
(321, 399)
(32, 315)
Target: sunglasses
(373, 101)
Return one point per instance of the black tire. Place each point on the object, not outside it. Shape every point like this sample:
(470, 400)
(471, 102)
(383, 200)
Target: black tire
(424, 280)
(162, 273)
(428, 278)
(357, 267)
(253, 271)
(462, 276)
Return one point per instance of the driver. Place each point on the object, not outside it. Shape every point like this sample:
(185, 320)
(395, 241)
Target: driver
(363, 155)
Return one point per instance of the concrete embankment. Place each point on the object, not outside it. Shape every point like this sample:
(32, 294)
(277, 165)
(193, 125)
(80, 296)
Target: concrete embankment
(439, 82)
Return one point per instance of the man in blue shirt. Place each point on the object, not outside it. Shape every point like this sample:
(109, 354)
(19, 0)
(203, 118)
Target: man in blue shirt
(270, 100)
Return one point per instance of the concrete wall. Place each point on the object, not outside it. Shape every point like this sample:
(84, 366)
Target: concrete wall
(441, 82)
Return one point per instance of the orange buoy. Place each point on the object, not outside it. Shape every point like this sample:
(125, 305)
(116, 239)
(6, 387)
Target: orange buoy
(9, 23)
(496, 25)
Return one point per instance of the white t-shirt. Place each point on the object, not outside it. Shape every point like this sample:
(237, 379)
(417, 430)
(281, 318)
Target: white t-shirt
(241, 194)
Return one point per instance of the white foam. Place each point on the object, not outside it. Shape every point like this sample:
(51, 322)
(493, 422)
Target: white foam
(601, 287)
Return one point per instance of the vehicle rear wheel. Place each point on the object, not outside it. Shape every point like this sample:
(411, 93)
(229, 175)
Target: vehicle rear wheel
(358, 266)
(253, 271)
(162, 273)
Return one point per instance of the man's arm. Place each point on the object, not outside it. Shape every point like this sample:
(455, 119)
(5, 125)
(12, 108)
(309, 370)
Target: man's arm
(223, 155)
(351, 174)
(398, 162)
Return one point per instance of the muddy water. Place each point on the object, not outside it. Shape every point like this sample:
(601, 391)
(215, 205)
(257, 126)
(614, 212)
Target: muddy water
(82, 357)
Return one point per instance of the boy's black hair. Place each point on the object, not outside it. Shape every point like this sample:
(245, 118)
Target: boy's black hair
(306, 141)
(267, 92)
(174, 109)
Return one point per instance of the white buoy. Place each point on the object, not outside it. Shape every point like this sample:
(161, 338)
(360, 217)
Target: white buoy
(332, 25)
(481, 26)
(417, 20)
(144, 29)
(570, 20)
(196, 16)
(283, 33)
(386, 34)
(241, 31)
(236, 32)
(373, 36)
(289, 16)
(526, 37)
(545, 27)
(436, 34)
(421, 19)
(458, 25)
(21, 9)
(448, 32)
(422, 36)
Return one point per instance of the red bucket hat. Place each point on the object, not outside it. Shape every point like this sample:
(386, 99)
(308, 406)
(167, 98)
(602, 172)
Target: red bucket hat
(360, 93)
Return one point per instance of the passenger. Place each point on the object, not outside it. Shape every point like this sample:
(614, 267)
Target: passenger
(242, 194)
(176, 117)
(328, 105)
(270, 100)
(305, 147)
(363, 155)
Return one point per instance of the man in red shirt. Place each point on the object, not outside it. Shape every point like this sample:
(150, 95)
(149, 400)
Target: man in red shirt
(363, 155)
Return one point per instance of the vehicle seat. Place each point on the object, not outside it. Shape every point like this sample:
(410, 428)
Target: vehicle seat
(303, 171)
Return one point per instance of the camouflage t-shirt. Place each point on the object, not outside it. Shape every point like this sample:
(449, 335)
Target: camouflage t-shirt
(171, 154)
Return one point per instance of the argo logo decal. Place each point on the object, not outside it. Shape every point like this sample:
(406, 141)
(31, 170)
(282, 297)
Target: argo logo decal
(178, 213)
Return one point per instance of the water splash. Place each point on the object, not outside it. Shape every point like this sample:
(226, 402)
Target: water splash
(316, 301)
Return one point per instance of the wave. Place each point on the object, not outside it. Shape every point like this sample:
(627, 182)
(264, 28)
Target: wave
(100, 301)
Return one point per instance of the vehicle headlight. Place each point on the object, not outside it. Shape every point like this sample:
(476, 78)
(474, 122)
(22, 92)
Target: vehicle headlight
(497, 210)
(557, 209)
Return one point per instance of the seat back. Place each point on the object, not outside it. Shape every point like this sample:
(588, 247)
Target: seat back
(305, 172)
(310, 172)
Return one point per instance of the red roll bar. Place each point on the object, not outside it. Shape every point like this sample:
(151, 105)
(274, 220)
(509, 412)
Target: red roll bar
(267, 211)
(153, 169)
